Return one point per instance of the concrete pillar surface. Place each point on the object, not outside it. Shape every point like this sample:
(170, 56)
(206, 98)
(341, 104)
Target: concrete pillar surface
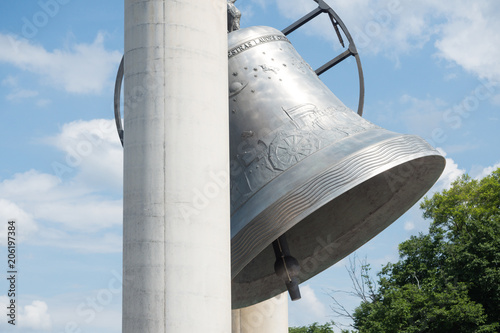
(270, 316)
(176, 250)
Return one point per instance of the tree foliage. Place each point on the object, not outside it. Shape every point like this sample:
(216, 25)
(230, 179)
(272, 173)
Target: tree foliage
(449, 279)
(313, 328)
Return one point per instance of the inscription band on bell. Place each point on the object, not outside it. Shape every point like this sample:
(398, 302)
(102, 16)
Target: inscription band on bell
(255, 42)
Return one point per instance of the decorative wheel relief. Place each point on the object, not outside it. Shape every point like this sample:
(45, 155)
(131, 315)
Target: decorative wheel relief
(289, 148)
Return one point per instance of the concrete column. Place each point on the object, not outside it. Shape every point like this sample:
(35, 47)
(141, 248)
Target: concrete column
(270, 316)
(176, 252)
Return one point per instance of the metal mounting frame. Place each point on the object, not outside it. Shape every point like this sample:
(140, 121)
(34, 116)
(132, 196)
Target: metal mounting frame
(323, 7)
(118, 88)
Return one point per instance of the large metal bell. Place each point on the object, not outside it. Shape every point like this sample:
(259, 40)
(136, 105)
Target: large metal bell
(311, 181)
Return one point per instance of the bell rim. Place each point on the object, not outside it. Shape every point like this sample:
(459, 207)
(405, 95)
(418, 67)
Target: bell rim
(399, 150)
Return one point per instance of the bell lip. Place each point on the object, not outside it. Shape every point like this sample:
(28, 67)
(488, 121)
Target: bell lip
(410, 148)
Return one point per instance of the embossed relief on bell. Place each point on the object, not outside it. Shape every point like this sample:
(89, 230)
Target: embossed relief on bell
(260, 172)
(325, 120)
(254, 165)
(238, 194)
(236, 87)
(288, 148)
(299, 64)
(304, 164)
(330, 124)
(304, 116)
(266, 68)
(251, 150)
(240, 190)
(272, 86)
(296, 61)
(247, 134)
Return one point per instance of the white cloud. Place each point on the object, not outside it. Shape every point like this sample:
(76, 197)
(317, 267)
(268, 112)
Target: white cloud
(43, 102)
(34, 316)
(91, 310)
(409, 225)
(77, 212)
(470, 37)
(82, 68)
(386, 26)
(80, 242)
(294, 9)
(312, 302)
(450, 174)
(30, 185)
(414, 221)
(250, 8)
(479, 172)
(451, 77)
(460, 148)
(321, 26)
(421, 116)
(25, 223)
(21, 94)
(260, 3)
(74, 206)
(94, 147)
(463, 32)
(10, 81)
(309, 308)
(17, 93)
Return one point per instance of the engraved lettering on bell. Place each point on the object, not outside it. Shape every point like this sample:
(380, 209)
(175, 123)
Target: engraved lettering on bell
(237, 49)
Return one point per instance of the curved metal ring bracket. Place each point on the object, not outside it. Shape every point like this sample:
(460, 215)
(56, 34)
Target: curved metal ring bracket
(118, 88)
(323, 7)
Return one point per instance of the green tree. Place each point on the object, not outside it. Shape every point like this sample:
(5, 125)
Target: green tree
(449, 279)
(313, 328)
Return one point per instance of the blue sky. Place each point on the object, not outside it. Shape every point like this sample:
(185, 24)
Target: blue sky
(431, 69)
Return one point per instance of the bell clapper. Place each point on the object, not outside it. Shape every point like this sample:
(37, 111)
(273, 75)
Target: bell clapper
(287, 267)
